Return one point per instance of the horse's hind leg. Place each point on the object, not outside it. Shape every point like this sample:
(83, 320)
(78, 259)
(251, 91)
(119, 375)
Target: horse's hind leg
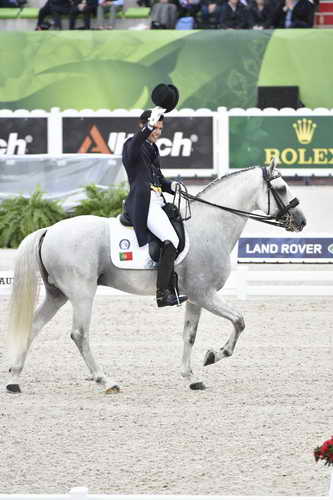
(52, 302)
(218, 306)
(192, 316)
(82, 307)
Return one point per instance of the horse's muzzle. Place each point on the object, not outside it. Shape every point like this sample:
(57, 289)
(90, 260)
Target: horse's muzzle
(295, 222)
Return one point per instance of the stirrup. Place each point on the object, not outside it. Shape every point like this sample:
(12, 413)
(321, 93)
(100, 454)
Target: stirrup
(167, 298)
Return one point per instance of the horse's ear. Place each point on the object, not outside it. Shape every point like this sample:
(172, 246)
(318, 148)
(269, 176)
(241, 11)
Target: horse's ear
(273, 165)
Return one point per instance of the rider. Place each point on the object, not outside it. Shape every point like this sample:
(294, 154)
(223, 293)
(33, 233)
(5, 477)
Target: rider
(145, 200)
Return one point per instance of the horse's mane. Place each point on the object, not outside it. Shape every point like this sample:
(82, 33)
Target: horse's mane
(223, 178)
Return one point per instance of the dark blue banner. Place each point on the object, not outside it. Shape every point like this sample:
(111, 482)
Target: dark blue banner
(279, 249)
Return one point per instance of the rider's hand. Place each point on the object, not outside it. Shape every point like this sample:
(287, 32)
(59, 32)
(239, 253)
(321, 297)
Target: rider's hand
(155, 116)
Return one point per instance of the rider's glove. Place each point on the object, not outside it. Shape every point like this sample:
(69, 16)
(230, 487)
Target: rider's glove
(155, 116)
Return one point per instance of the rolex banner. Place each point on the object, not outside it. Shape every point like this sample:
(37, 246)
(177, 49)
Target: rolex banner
(298, 142)
(186, 142)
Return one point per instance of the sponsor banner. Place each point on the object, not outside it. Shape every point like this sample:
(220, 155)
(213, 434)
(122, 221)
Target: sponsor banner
(298, 142)
(20, 136)
(6, 282)
(307, 249)
(187, 142)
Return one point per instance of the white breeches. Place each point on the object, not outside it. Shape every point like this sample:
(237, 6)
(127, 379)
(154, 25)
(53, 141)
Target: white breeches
(158, 222)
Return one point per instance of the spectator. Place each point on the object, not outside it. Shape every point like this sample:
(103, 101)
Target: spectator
(163, 15)
(107, 11)
(211, 12)
(234, 15)
(87, 8)
(261, 13)
(189, 8)
(294, 14)
(144, 3)
(15, 4)
(43, 13)
(59, 8)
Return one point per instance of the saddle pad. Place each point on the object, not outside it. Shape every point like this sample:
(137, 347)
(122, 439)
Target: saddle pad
(126, 253)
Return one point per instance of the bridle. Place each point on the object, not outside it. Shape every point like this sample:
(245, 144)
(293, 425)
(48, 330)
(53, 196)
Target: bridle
(282, 219)
(283, 209)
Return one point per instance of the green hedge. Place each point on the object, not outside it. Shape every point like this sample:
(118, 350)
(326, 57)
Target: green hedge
(20, 216)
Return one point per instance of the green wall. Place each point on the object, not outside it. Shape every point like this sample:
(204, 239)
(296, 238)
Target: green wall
(92, 69)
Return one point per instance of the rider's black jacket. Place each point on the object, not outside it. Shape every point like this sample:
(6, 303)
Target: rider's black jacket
(141, 160)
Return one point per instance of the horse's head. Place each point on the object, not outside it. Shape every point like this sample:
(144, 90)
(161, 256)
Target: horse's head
(278, 201)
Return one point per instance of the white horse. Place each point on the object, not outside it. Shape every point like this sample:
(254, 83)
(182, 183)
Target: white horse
(73, 258)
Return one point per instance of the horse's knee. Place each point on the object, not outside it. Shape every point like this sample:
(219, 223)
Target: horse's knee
(190, 332)
(77, 337)
(239, 323)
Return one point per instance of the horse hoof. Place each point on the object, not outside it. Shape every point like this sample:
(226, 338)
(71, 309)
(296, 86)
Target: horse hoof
(13, 388)
(112, 390)
(197, 386)
(209, 358)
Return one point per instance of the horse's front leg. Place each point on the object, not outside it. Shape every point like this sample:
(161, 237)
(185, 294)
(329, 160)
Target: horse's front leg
(192, 316)
(216, 305)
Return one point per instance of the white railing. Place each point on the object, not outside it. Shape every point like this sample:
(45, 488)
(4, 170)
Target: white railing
(82, 493)
(243, 283)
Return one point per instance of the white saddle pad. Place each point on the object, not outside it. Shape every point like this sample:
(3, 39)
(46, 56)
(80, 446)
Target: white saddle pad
(126, 253)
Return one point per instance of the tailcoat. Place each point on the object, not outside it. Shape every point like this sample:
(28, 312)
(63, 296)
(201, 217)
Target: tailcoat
(141, 160)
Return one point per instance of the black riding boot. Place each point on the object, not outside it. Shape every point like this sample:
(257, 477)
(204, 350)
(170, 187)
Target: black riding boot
(167, 288)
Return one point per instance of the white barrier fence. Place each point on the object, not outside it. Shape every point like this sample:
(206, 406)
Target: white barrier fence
(244, 283)
(82, 493)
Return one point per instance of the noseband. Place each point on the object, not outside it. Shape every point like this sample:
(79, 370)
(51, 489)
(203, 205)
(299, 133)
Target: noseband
(283, 209)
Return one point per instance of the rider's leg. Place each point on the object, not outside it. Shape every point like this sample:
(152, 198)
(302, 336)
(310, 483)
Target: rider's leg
(167, 293)
(158, 223)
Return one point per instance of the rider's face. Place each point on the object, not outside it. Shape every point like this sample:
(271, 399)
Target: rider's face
(156, 133)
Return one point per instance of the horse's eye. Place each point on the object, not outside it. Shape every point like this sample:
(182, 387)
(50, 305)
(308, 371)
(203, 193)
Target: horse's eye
(282, 190)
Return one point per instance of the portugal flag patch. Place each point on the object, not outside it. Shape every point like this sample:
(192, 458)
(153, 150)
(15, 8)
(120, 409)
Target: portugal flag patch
(126, 255)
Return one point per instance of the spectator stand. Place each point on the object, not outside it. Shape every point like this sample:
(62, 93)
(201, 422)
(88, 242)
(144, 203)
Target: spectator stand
(16, 19)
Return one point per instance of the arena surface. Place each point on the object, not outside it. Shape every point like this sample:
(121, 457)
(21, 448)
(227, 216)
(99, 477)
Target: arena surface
(252, 432)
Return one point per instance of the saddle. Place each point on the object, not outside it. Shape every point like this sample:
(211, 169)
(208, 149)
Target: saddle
(176, 220)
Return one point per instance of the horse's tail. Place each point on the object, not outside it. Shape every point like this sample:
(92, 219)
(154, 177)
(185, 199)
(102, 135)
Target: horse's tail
(24, 294)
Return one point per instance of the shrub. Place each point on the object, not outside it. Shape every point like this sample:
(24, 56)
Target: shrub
(104, 203)
(20, 216)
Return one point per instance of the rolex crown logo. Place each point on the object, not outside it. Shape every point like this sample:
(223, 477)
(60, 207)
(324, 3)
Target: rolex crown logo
(304, 130)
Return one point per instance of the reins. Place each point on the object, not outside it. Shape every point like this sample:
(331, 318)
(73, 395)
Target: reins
(266, 219)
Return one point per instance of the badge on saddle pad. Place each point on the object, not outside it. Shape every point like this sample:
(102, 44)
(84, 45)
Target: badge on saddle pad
(126, 253)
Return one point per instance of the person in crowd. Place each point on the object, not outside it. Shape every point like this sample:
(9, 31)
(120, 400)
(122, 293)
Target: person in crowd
(261, 13)
(58, 9)
(107, 11)
(144, 3)
(294, 14)
(211, 12)
(234, 15)
(188, 8)
(15, 4)
(163, 15)
(144, 204)
(44, 12)
(85, 7)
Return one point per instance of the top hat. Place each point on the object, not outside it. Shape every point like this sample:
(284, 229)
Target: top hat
(165, 96)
